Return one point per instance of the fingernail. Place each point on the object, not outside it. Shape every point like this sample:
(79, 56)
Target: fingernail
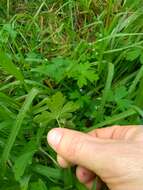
(54, 137)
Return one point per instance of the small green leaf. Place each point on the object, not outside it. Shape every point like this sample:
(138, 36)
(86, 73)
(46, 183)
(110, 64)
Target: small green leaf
(83, 73)
(132, 55)
(82, 81)
(59, 66)
(40, 185)
(124, 104)
(7, 64)
(6, 33)
(58, 109)
(120, 93)
(9, 29)
(56, 103)
(24, 159)
(21, 163)
(70, 107)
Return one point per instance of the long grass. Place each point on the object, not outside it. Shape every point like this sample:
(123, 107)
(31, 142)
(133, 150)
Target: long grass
(74, 64)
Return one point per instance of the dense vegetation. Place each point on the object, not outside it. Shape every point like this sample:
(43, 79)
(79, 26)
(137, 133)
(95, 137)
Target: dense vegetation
(67, 63)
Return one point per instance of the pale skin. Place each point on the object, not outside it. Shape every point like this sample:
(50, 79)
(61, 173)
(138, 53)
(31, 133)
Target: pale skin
(114, 154)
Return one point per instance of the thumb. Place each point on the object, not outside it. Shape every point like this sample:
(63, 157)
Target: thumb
(81, 149)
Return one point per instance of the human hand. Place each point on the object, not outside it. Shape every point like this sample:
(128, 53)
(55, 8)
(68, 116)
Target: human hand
(115, 154)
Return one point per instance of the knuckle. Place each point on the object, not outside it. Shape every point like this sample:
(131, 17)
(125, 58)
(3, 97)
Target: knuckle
(72, 147)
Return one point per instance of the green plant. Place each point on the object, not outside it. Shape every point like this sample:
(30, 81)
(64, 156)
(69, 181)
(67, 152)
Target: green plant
(74, 64)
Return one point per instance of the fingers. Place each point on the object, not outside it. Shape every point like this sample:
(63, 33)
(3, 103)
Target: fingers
(62, 162)
(115, 132)
(118, 132)
(95, 151)
(97, 181)
(84, 175)
(88, 178)
(105, 133)
(79, 148)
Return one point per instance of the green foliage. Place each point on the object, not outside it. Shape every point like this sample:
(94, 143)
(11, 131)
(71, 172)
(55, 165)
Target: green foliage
(83, 73)
(48, 172)
(8, 66)
(6, 33)
(73, 64)
(58, 109)
(119, 96)
(40, 185)
(24, 159)
(134, 55)
(18, 123)
(59, 66)
(60, 69)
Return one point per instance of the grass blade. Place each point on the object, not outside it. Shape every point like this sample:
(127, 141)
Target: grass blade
(18, 124)
(48, 171)
(9, 67)
(106, 90)
(136, 80)
(8, 101)
(113, 119)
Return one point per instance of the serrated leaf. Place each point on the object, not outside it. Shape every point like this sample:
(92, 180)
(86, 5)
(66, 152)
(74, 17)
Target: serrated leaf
(82, 81)
(124, 104)
(132, 55)
(56, 69)
(120, 93)
(83, 73)
(80, 99)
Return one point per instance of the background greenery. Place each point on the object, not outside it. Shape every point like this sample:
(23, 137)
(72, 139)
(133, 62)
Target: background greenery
(64, 63)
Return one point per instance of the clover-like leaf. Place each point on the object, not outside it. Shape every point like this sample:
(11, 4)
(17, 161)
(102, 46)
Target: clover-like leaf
(57, 109)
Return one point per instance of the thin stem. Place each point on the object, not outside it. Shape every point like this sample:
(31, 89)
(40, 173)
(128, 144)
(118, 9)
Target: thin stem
(58, 123)
(49, 156)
